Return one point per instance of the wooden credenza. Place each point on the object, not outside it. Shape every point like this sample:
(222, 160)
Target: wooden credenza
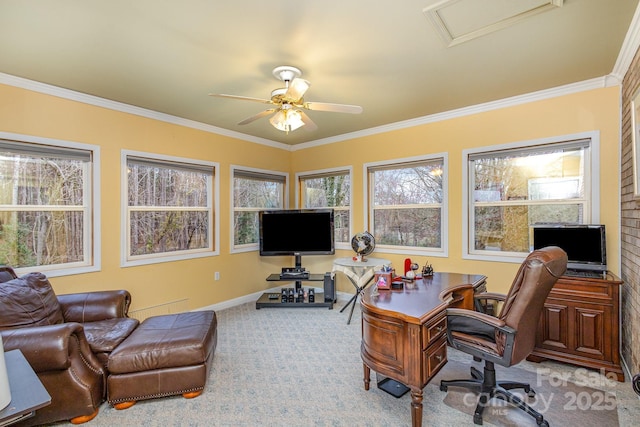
(404, 331)
(580, 324)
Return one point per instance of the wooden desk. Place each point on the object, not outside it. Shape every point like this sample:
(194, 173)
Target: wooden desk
(404, 331)
(27, 392)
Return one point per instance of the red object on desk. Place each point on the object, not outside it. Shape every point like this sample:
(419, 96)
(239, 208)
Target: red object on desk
(407, 265)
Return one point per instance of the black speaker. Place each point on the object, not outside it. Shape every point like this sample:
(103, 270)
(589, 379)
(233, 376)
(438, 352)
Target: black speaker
(329, 288)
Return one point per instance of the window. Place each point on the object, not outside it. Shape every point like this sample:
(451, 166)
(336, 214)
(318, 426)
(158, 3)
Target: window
(168, 208)
(47, 214)
(514, 187)
(329, 189)
(253, 190)
(407, 205)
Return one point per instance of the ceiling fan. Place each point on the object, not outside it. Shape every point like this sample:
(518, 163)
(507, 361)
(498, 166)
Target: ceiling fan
(287, 114)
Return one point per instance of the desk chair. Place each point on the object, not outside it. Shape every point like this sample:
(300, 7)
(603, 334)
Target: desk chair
(508, 338)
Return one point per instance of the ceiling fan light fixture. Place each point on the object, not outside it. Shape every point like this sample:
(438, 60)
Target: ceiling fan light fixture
(288, 113)
(287, 120)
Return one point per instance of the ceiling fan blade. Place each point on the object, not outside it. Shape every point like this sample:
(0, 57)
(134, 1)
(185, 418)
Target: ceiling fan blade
(257, 116)
(297, 88)
(309, 125)
(241, 98)
(336, 108)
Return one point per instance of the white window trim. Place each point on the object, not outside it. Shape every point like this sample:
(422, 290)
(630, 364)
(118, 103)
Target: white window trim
(349, 171)
(214, 209)
(285, 201)
(443, 252)
(92, 240)
(593, 185)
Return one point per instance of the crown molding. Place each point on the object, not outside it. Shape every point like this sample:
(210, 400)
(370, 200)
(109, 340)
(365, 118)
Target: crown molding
(600, 82)
(597, 83)
(629, 47)
(130, 109)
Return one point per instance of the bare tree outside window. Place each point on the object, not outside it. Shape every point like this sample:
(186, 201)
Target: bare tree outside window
(515, 189)
(329, 190)
(407, 203)
(169, 207)
(45, 205)
(253, 191)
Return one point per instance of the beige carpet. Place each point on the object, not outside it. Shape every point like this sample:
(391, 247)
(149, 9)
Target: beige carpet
(302, 367)
(560, 401)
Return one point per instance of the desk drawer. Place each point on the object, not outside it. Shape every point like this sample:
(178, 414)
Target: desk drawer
(433, 359)
(433, 331)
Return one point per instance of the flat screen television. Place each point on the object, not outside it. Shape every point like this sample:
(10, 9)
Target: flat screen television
(585, 244)
(296, 232)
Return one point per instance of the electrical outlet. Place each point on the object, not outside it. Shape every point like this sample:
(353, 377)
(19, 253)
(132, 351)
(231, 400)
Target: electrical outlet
(216, 275)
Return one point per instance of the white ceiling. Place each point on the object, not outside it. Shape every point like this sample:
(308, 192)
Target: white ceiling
(394, 58)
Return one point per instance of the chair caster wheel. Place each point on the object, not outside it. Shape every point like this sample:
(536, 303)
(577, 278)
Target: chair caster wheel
(443, 387)
(531, 393)
(477, 419)
(543, 423)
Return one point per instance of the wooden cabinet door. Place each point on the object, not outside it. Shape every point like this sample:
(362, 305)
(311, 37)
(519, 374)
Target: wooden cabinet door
(553, 332)
(592, 331)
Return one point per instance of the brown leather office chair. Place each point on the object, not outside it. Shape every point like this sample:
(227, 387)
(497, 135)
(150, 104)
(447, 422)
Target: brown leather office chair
(508, 338)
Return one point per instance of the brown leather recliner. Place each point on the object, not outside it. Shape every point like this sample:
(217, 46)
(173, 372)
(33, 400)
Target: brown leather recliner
(65, 339)
(509, 338)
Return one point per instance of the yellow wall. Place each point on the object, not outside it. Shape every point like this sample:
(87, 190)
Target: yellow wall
(595, 110)
(31, 113)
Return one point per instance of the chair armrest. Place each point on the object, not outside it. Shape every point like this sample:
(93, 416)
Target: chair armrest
(489, 302)
(491, 295)
(475, 317)
(93, 306)
(49, 348)
(488, 332)
(476, 323)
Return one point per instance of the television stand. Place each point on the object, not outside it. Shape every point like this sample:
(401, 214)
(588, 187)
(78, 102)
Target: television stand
(321, 299)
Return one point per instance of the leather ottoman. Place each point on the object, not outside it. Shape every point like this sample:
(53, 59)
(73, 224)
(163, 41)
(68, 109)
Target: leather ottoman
(166, 355)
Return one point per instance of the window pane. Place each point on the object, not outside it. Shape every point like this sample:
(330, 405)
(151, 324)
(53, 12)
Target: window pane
(551, 175)
(169, 207)
(29, 239)
(326, 192)
(515, 189)
(408, 185)
(246, 227)
(253, 193)
(52, 185)
(330, 191)
(155, 232)
(41, 180)
(341, 226)
(164, 186)
(506, 228)
(408, 227)
(407, 204)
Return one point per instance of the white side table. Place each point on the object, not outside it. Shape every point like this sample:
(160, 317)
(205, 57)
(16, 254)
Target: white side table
(360, 274)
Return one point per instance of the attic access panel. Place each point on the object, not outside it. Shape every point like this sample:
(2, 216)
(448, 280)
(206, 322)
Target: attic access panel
(458, 21)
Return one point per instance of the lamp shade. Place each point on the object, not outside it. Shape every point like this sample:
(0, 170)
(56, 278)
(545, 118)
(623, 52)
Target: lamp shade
(5, 393)
(287, 120)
